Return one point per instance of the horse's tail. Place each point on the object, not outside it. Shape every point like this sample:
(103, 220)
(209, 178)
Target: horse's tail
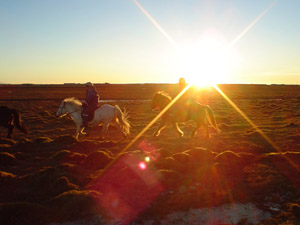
(18, 121)
(122, 119)
(211, 117)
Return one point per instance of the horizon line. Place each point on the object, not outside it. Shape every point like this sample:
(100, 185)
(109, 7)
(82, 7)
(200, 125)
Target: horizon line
(108, 83)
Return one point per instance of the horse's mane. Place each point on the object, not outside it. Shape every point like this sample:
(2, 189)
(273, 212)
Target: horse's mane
(73, 100)
(164, 94)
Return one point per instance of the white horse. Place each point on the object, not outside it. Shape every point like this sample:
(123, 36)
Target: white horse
(106, 114)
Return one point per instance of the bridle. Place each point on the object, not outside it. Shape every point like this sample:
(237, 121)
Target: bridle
(67, 113)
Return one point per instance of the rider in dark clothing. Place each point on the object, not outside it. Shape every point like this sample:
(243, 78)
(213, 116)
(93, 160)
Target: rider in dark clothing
(186, 98)
(185, 102)
(90, 104)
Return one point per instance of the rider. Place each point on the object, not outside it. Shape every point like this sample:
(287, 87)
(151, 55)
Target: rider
(181, 84)
(90, 103)
(186, 99)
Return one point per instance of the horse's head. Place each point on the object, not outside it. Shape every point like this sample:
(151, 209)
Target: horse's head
(61, 110)
(160, 100)
(68, 105)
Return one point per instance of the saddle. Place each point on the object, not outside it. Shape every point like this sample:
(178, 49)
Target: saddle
(186, 112)
(90, 114)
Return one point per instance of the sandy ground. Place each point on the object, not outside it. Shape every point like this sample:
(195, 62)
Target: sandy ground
(235, 177)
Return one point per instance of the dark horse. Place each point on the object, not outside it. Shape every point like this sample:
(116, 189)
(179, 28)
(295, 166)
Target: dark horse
(182, 112)
(10, 118)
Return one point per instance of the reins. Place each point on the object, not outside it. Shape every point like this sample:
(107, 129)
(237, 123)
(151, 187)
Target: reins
(67, 113)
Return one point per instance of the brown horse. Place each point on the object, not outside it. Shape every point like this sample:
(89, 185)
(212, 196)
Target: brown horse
(10, 118)
(182, 112)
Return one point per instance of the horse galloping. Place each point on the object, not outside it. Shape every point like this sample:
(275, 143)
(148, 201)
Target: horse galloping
(182, 113)
(106, 114)
(11, 118)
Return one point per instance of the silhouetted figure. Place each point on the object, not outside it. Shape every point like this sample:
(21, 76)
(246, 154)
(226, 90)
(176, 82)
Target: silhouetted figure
(10, 118)
(90, 104)
(179, 113)
(181, 84)
(186, 95)
(185, 101)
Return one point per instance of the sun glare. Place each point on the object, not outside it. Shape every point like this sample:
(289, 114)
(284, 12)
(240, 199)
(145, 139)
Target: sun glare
(205, 61)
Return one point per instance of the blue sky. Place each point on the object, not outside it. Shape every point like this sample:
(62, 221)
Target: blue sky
(113, 41)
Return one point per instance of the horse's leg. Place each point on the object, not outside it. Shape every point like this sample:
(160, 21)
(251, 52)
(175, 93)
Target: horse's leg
(196, 129)
(115, 124)
(161, 126)
(10, 130)
(179, 131)
(79, 130)
(206, 129)
(104, 130)
(77, 134)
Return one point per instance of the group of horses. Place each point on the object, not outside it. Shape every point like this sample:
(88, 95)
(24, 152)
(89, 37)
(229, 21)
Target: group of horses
(108, 114)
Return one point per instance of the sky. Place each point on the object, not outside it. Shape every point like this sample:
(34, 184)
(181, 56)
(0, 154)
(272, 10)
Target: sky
(150, 41)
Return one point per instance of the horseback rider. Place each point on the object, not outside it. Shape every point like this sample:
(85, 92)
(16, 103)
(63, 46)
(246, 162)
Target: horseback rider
(185, 102)
(90, 103)
(181, 85)
(187, 97)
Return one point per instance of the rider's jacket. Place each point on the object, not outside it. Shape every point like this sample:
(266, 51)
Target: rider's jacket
(92, 98)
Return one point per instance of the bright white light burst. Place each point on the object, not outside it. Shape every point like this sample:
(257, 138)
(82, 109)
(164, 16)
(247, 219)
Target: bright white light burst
(206, 61)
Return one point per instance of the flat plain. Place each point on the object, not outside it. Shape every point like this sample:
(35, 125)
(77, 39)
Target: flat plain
(244, 175)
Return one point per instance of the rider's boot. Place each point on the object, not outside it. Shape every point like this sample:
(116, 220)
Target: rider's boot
(85, 120)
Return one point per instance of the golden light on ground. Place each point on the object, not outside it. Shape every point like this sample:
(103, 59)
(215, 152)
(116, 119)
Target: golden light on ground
(253, 125)
(207, 60)
(214, 57)
(209, 45)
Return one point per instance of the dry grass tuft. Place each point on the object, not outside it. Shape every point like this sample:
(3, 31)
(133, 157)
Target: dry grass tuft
(73, 205)
(7, 141)
(7, 159)
(96, 160)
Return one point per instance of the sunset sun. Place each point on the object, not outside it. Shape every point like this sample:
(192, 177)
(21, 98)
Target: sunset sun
(150, 112)
(206, 61)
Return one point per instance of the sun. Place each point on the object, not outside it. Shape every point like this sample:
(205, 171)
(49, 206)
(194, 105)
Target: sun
(206, 61)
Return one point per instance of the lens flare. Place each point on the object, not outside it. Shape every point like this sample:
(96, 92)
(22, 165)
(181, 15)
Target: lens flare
(188, 86)
(142, 165)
